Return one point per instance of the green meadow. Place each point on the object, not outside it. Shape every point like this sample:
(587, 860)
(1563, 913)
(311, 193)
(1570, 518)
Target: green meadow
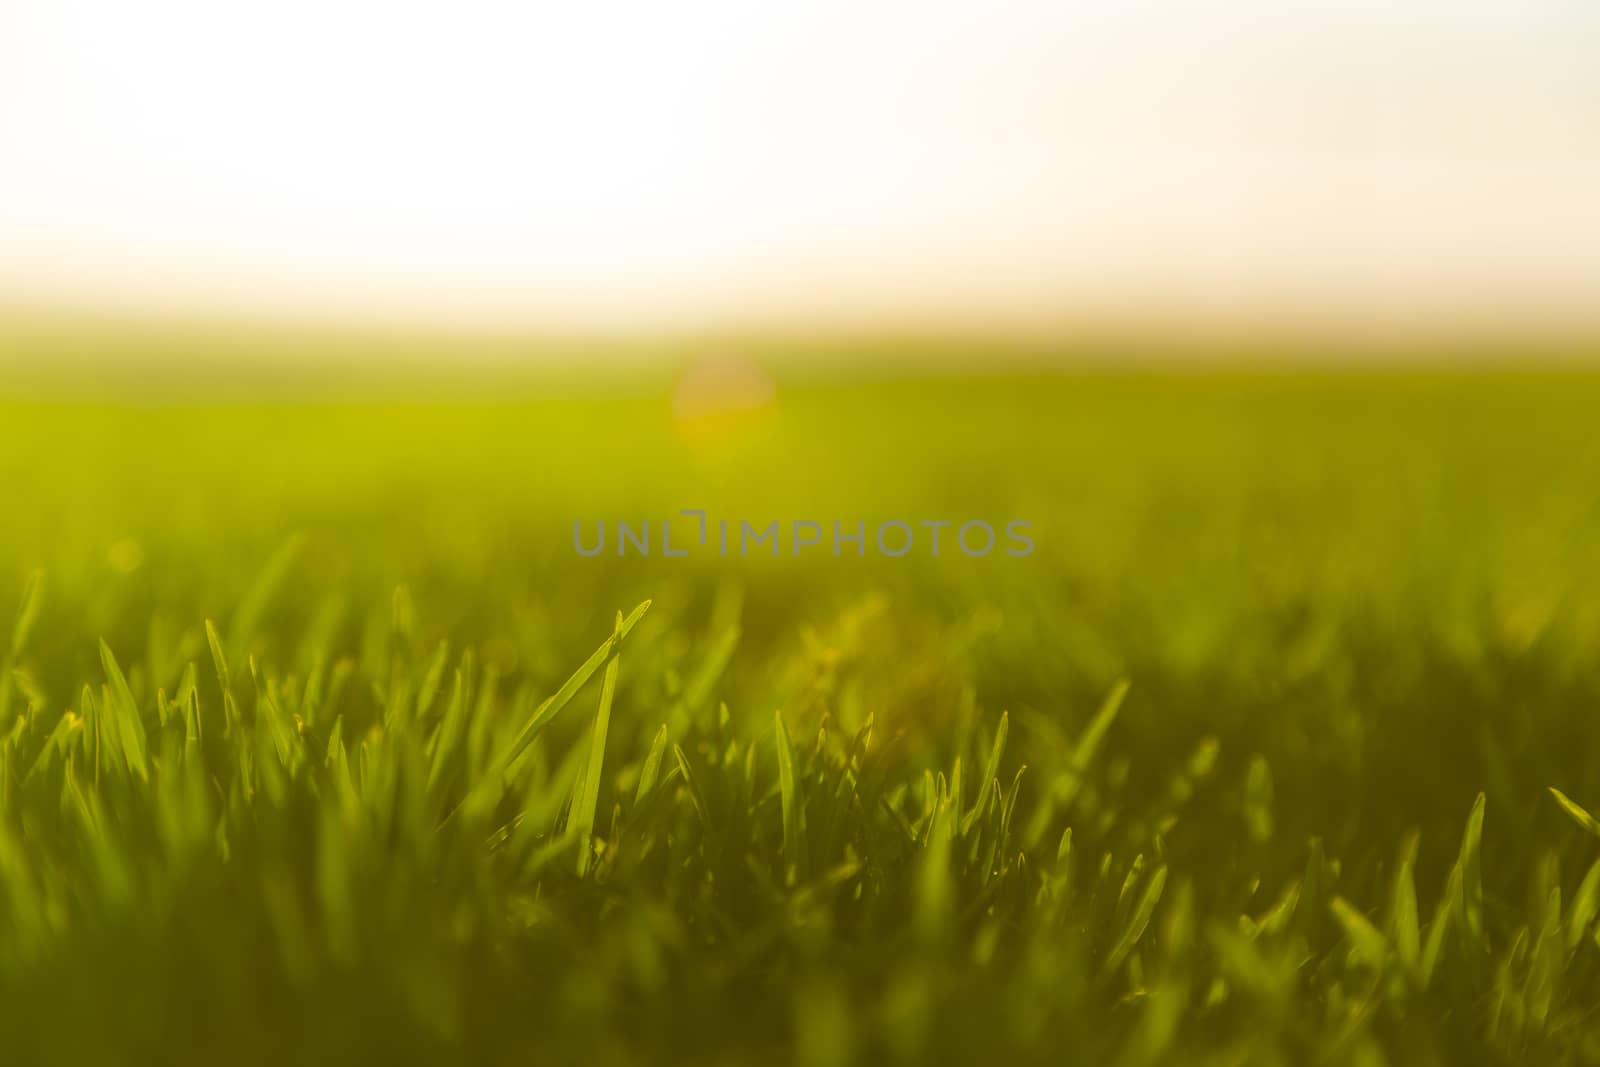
(319, 743)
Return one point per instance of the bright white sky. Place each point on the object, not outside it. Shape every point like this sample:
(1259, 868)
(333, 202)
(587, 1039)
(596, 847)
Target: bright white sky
(697, 161)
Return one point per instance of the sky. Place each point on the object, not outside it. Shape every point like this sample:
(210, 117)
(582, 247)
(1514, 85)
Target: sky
(665, 165)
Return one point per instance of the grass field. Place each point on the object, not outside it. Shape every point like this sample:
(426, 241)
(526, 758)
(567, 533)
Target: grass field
(321, 744)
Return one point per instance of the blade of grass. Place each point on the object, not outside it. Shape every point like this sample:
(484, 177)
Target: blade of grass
(28, 612)
(125, 711)
(793, 828)
(1084, 752)
(1403, 908)
(652, 765)
(553, 704)
(1139, 921)
(589, 798)
(219, 658)
(991, 771)
(254, 603)
(1470, 901)
(1370, 945)
(487, 790)
(1579, 816)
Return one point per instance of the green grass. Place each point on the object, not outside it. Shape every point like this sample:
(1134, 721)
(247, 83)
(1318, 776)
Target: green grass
(318, 743)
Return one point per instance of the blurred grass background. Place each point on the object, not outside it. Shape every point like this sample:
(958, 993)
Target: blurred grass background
(1377, 584)
(1345, 567)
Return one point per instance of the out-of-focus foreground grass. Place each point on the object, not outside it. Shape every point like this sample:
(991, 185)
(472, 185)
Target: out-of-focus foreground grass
(1280, 634)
